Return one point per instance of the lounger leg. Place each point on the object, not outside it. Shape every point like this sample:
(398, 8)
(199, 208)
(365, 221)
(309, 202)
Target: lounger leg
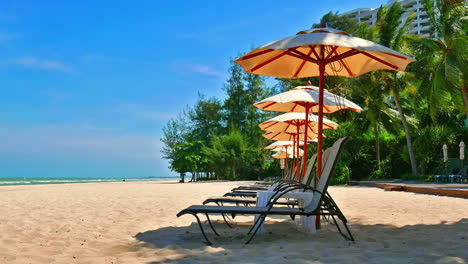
(339, 229)
(224, 216)
(262, 217)
(201, 228)
(255, 224)
(211, 225)
(225, 220)
(349, 232)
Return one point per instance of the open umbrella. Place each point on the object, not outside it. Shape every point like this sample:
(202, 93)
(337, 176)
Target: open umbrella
(304, 99)
(275, 146)
(279, 144)
(291, 122)
(299, 123)
(283, 153)
(317, 52)
(295, 99)
(291, 136)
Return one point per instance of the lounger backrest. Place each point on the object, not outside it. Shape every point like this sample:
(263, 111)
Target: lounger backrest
(313, 180)
(327, 173)
(301, 162)
(310, 165)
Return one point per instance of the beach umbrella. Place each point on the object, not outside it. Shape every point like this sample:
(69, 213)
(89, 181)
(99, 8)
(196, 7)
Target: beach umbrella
(302, 97)
(301, 123)
(295, 100)
(291, 122)
(320, 52)
(288, 136)
(275, 146)
(462, 153)
(444, 150)
(283, 153)
(462, 150)
(279, 144)
(291, 136)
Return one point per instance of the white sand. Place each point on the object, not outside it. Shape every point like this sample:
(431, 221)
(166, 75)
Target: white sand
(132, 222)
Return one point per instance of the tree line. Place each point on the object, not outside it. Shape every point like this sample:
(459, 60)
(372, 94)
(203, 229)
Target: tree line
(407, 116)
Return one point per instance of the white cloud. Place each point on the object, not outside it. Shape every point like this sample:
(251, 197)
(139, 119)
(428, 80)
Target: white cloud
(52, 65)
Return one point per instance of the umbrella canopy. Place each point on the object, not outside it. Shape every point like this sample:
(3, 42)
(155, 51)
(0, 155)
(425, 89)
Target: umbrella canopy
(286, 136)
(299, 56)
(291, 122)
(295, 99)
(280, 144)
(317, 52)
(283, 153)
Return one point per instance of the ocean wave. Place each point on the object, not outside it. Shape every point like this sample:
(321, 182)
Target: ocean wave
(38, 181)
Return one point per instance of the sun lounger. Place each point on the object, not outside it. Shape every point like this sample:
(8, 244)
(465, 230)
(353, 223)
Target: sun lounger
(460, 176)
(443, 176)
(264, 186)
(322, 203)
(253, 193)
(248, 201)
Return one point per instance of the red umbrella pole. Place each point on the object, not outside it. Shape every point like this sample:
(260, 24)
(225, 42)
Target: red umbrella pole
(305, 141)
(298, 153)
(285, 163)
(320, 124)
(320, 121)
(294, 155)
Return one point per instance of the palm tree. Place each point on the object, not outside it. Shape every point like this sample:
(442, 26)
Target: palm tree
(442, 59)
(390, 34)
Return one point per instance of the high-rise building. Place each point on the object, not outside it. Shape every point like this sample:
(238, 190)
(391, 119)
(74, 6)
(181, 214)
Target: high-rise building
(419, 25)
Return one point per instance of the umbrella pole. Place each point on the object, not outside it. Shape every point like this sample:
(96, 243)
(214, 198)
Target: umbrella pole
(294, 156)
(298, 154)
(320, 128)
(305, 141)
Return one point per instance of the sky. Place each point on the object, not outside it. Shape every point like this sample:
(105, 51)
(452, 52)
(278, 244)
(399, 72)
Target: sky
(87, 86)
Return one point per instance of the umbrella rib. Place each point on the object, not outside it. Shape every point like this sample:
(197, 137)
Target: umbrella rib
(379, 60)
(326, 108)
(303, 62)
(315, 53)
(268, 61)
(344, 65)
(394, 55)
(273, 123)
(343, 55)
(264, 108)
(292, 109)
(256, 54)
(333, 51)
(304, 56)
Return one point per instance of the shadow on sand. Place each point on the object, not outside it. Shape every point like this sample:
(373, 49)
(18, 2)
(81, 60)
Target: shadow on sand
(282, 242)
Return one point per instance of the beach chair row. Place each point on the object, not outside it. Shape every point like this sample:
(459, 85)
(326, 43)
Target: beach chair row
(243, 200)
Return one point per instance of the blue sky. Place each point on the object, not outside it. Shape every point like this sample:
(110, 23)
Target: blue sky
(86, 86)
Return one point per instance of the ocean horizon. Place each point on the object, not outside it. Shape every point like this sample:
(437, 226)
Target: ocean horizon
(8, 181)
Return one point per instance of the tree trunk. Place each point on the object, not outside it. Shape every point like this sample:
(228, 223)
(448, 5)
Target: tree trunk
(408, 136)
(465, 98)
(377, 144)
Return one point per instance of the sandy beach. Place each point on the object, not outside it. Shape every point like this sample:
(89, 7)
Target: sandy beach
(135, 222)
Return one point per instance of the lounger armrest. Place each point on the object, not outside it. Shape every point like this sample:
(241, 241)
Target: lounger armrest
(279, 193)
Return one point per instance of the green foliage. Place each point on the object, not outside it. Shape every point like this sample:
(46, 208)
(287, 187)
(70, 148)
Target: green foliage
(221, 139)
(334, 20)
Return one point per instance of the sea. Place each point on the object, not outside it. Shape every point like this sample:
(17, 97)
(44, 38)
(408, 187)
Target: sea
(6, 181)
